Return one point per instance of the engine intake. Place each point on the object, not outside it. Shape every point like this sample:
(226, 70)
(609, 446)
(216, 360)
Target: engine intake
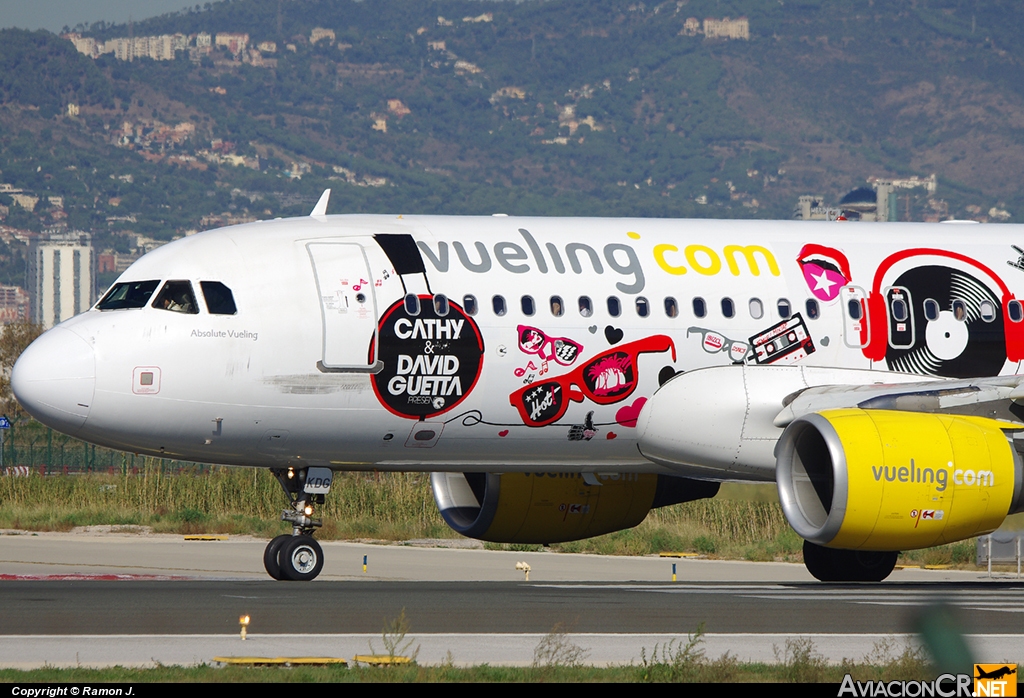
(888, 480)
(555, 507)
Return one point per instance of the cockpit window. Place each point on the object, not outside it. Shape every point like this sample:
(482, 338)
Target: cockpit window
(128, 294)
(177, 296)
(219, 299)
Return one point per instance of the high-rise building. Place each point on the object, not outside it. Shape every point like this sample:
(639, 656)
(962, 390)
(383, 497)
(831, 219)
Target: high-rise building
(14, 304)
(61, 277)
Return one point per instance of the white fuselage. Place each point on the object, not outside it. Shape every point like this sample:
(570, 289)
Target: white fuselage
(289, 379)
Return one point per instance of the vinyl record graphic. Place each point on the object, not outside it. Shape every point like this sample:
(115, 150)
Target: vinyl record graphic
(946, 345)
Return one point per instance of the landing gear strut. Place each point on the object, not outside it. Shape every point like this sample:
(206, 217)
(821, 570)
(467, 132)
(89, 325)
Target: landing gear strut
(831, 565)
(298, 557)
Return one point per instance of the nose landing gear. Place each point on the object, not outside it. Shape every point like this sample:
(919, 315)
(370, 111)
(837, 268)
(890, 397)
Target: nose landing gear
(298, 557)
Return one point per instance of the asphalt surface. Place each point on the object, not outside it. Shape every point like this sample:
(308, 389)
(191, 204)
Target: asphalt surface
(96, 600)
(212, 607)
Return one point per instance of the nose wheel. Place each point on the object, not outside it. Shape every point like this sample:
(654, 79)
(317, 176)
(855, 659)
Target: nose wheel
(298, 557)
(270, 559)
(293, 558)
(301, 559)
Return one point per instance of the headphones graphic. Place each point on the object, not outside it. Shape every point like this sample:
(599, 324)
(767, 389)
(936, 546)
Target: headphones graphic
(875, 335)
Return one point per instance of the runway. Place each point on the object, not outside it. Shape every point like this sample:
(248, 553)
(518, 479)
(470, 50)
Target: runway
(178, 602)
(212, 607)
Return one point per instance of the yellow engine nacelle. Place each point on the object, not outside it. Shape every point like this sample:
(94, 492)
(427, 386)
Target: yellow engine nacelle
(555, 507)
(886, 480)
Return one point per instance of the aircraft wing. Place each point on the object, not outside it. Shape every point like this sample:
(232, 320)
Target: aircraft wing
(999, 397)
(726, 422)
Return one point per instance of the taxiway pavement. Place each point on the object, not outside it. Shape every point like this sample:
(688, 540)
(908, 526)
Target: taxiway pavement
(94, 600)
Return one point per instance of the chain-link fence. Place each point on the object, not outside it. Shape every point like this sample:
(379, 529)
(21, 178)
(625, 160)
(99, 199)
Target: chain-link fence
(34, 449)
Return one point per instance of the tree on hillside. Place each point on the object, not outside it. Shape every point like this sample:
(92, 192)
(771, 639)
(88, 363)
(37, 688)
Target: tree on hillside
(14, 339)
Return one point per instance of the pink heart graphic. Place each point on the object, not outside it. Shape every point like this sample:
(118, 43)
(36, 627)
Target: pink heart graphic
(627, 415)
(611, 435)
(503, 432)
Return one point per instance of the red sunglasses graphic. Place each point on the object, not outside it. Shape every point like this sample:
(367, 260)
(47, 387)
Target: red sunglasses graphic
(533, 341)
(607, 378)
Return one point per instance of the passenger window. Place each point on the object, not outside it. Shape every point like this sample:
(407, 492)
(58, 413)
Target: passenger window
(671, 307)
(440, 304)
(988, 311)
(931, 310)
(412, 304)
(643, 308)
(854, 309)
(177, 296)
(700, 308)
(960, 310)
(469, 304)
(526, 303)
(219, 300)
(728, 308)
(812, 309)
(586, 307)
(614, 307)
(498, 303)
(785, 309)
(899, 310)
(1015, 311)
(756, 308)
(557, 307)
(129, 294)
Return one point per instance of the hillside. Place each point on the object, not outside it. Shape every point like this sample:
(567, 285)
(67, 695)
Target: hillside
(560, 107)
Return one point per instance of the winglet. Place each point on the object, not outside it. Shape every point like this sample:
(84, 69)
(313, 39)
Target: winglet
(321, 206)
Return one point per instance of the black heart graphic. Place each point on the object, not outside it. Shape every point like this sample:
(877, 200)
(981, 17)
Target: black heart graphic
(666, 374)
(612, 334)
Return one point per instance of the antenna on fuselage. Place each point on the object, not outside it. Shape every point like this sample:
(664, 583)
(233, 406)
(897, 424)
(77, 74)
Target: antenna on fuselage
(321, 206)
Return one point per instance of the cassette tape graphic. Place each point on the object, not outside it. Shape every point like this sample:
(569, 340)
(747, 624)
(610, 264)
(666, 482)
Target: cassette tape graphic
(788, 341)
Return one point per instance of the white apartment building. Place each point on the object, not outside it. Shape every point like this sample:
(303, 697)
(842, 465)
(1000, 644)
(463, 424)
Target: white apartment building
(60, 277)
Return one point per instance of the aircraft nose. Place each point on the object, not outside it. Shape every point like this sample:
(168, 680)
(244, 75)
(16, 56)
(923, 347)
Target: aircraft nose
(54, 379)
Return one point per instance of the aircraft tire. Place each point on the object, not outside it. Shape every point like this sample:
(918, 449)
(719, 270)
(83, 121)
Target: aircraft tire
(870, 565)
(831, 565)
(301, 559)
(270, 556)
(818, 561)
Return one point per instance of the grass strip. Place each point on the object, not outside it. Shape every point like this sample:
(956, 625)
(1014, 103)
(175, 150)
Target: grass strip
(743, 522)
(556, 660)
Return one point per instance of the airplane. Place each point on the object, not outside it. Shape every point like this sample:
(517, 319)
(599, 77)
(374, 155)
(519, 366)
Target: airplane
(561, 377)
(999, 673)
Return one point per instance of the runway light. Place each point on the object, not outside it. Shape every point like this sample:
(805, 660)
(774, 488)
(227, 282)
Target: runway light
(244, 622)
(524, 568)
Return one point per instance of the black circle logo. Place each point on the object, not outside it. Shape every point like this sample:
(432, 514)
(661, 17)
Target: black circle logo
(431, 362)
(961, 340)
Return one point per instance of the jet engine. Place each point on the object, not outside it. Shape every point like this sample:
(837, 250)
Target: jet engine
(555, 507)
(876, 480)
